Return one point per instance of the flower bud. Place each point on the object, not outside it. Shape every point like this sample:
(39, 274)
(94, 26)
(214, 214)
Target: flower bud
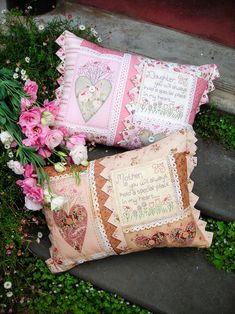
(47, 118)
(60, 166)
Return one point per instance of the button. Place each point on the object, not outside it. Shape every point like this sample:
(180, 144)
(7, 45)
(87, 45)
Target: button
(151, 139)
(92, 89)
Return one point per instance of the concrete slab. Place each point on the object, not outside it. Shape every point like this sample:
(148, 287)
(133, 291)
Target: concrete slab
(163, 43)
(171, 281)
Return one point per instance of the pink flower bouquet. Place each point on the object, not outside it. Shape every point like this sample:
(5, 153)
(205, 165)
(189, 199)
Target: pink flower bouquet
(32, 140)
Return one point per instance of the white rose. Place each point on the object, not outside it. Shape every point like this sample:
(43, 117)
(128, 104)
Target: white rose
(32, 205)
(57, 203)
(15, 166)
(6, 137)
(79, 154)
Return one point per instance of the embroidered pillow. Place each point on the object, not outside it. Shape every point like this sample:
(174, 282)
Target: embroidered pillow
(120, 99)
(128, 202)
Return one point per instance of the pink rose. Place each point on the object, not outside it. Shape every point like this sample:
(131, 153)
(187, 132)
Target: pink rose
(31, 189)
(44, 152)
(30, 118)
(29, 171)
(36, 135)
(75, 139)
(31, 88)
(64, 130)
(25, 104)
(32, 142)
(53, 138)
(51, 107)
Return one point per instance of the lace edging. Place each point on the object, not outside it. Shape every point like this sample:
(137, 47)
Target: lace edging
(97, 217)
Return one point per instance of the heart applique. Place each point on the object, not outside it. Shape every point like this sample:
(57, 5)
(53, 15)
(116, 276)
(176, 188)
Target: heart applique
(90, 98)
(72, 226)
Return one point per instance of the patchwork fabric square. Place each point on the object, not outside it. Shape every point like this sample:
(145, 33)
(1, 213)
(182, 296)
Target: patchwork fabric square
(121, 99)
(134, 201)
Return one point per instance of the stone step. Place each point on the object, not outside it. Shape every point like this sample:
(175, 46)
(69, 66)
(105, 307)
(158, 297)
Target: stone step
(170, 281)
(159, 42)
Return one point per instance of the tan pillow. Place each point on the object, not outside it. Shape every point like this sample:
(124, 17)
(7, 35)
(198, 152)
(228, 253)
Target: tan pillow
(128, 202)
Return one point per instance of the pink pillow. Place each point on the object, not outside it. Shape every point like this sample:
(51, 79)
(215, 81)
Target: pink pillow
(121, 99)
(129, 202)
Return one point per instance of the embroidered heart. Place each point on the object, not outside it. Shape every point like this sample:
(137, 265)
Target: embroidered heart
(90, 98)
(72, 226)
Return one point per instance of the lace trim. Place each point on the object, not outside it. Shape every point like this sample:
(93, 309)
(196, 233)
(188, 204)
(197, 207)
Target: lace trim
(182, 212)
(97, 217)
(172, 166)
(85, 129)
(117, 105)
(61, 176)
(190, 103)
